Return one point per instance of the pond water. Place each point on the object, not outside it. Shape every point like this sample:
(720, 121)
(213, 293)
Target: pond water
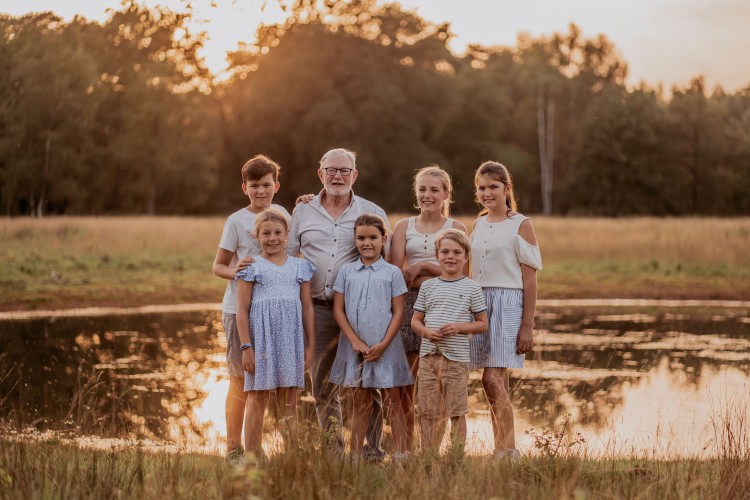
(660, 380)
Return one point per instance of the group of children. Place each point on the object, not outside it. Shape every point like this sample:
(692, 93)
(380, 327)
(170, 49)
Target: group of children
(415, 315)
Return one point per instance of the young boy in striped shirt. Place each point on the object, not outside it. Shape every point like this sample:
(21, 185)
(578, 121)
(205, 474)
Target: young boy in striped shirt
(447, 309)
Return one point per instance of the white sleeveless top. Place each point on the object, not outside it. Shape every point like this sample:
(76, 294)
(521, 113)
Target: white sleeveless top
(420, 247)
(497, 252)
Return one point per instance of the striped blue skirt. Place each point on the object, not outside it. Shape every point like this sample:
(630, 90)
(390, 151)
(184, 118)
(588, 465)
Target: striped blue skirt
(497, 347)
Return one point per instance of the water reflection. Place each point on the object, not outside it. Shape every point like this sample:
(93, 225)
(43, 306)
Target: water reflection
(647, 380)
(135, 376)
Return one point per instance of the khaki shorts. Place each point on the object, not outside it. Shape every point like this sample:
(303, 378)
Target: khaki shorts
(443, 387)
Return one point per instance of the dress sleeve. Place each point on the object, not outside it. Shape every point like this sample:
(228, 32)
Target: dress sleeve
(398, 285)
(339, 285)
(305, 271)
(528, 254)
(250, 273)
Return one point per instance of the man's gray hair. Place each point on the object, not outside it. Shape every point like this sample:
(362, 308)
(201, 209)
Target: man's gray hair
(351, 155)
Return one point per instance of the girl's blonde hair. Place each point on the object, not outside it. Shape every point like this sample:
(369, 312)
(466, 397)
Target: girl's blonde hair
(371, 220)
(436, 171)
(499, 172)
(271, 215)
(454, 235)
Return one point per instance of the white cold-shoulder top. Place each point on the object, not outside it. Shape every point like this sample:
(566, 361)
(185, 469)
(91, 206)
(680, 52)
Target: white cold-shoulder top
(420, 247)
(497, 252)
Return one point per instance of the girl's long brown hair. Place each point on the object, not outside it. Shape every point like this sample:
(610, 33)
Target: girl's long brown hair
(371, 220)
(499, 172)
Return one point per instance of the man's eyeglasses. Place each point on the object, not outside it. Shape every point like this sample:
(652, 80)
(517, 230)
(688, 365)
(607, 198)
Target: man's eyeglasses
(345, 172)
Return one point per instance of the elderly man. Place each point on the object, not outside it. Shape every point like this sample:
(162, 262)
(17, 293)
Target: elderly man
(323, 231)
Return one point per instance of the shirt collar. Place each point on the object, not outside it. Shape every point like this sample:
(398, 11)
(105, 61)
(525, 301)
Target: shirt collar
(375, 266)
(319, 197)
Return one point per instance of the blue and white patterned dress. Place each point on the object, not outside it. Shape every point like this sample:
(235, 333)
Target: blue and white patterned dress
(276, 330)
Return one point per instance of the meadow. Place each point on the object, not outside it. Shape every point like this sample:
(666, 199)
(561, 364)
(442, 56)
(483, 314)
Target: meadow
(54, 469)
(61, 262)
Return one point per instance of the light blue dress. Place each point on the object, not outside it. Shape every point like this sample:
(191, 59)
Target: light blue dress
(368, 291)
(276, 330)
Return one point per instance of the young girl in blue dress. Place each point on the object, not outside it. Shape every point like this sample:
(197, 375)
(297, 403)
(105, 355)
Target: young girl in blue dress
(368, 306)
(504, 260)
(275, 321)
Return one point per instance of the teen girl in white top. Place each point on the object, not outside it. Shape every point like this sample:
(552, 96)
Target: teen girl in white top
(504, 260)
(413, 250)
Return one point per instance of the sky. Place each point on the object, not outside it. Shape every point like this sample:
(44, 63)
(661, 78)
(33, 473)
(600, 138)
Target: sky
(663, 41)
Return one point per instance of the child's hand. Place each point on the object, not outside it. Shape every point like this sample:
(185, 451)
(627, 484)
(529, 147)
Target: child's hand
(309, 357)
(411, 273)
(450, 329)
(304, 199)
(375, 352)
(242, 264)
(360, 347)
(525, 340)
(432, 335)
(248, 360)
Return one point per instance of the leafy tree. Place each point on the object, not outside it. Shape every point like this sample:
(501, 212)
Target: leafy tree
(621, 168)
(50, 79)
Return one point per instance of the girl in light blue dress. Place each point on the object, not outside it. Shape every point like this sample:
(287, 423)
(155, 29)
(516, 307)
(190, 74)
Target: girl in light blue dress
(274, 315)
(368, 306)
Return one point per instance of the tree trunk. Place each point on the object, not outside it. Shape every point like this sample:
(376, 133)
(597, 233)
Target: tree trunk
(40, 204)
(546, 139)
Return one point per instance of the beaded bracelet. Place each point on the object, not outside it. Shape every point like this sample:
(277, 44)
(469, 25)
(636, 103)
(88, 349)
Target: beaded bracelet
(246, 346)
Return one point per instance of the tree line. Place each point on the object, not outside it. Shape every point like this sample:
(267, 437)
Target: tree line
(123, 117)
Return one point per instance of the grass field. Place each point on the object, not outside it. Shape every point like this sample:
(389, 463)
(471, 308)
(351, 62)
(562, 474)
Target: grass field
(55, 470)
(128, 261)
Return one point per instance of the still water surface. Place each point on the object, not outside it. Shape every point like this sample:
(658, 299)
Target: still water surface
(656, 381)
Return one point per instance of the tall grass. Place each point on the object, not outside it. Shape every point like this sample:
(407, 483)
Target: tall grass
(69, 261)
(50, 469)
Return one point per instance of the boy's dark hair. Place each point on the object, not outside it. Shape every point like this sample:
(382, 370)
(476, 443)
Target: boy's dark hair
(258, 167)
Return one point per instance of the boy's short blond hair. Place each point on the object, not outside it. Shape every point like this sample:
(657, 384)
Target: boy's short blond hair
(454, 235)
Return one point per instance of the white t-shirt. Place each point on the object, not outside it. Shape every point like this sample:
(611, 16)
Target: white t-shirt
(238, 238)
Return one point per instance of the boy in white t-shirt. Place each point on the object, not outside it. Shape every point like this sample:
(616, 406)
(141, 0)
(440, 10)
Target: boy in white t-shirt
(448, 308)
(260, 181)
